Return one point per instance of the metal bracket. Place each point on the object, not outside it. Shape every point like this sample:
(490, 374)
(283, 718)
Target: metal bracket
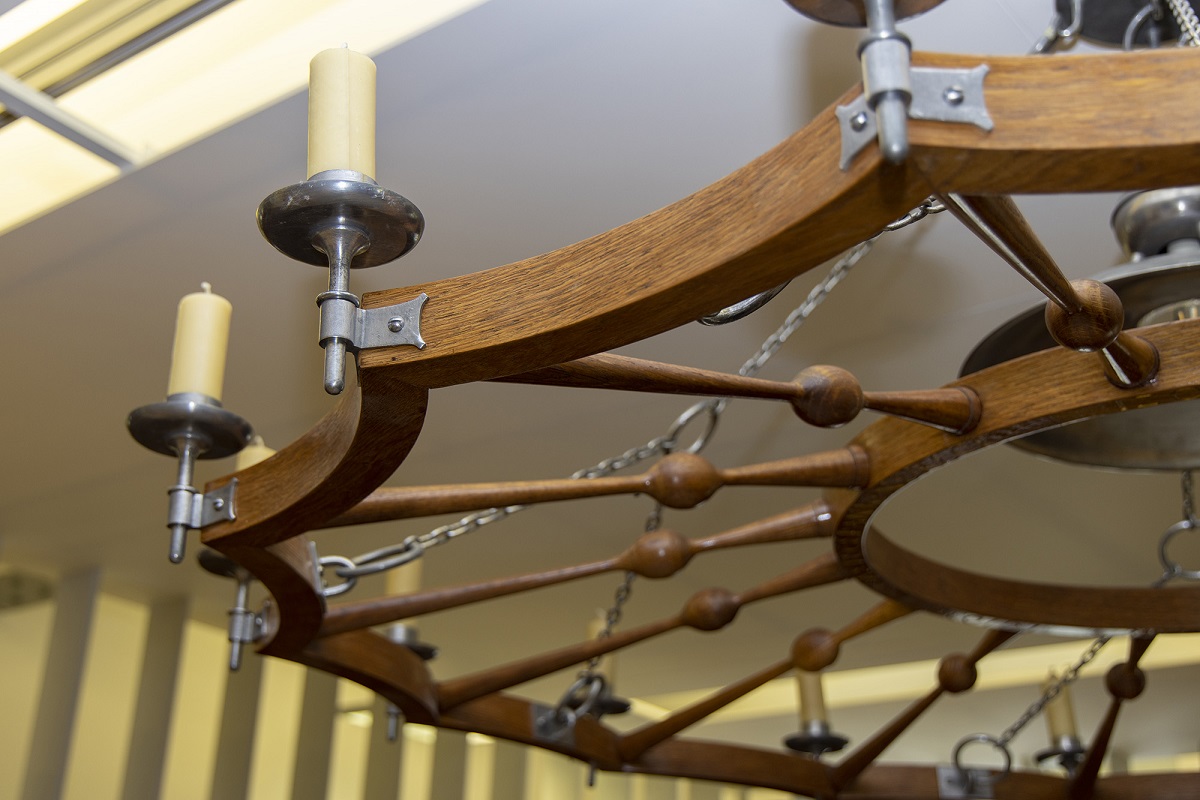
(216, 506)
(389, 326)
(941, 95)
(553, 725)
(969, 784)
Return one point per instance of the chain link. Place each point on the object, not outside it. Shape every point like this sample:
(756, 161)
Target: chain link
(1189, 24)
(1052, 691)
(414, 546)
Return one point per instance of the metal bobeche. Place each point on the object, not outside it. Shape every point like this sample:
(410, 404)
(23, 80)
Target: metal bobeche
(291, 218)
(191, 426)
(816, 739)
(345, 220)
(216, 432)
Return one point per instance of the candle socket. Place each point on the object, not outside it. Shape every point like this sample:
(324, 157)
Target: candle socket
(190, 426)
(405, 634)
(816, 739)
(245, 625)
(342, 220)
(1067, 750)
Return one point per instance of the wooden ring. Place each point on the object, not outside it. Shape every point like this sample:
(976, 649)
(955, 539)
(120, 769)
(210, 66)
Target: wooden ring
(900, 452)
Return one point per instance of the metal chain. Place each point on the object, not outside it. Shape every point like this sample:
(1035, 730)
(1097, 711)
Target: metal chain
(1053, 690)
(413, 547)
(1189, 24)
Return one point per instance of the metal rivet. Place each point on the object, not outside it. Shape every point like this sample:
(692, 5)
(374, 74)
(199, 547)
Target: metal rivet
(395, 324)
(954, 95)
(858, 122)
(218, 503)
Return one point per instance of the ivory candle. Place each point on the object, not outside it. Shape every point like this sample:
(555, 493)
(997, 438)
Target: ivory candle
(812, 698)
(1060, 714)
(252, 453)
(201, 339)
(341, 112)
(405, 579)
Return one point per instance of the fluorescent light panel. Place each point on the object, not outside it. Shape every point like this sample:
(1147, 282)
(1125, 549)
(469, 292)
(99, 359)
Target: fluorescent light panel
(235, 62)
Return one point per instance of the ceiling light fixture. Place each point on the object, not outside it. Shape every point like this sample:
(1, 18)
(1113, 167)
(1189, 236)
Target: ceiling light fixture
(971, 131)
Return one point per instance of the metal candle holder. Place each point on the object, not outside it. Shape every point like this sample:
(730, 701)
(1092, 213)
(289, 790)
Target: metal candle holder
(191, 426)
(816, 739)
(344, 220)
(1068, 751)
(245, 625)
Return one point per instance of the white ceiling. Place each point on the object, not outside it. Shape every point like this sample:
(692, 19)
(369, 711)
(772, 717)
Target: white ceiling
(520, 127)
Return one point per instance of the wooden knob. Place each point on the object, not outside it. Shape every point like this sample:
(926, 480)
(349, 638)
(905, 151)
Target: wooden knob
(1095, 325)
(657, 554)
(710, 609)
(815, 649)
(682, 480)
(957, 673)
(829, 396)
(1125, 681)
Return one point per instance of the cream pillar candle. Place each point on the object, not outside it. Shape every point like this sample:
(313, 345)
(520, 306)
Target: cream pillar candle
(405, 579)
(341, 112)
(1060, 714)
(812, 698)
(252, 453)
(201, 339)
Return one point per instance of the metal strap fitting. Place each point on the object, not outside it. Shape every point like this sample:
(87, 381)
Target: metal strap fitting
(941, 95)
(194, 510)
(367, 328)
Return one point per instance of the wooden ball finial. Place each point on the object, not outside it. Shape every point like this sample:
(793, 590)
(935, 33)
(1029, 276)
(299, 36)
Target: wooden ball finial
(710, 609)
(829, 396)
(815, 649)
(957, 673)
(657, 554)
(1125, 681)
(683, 480)
(1095, 326)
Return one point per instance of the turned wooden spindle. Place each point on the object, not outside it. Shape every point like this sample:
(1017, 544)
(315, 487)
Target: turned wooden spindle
(678, 480)
(956, 673)
(1082, 315)
(633, 744)
(1124, 681)
(707, 610)
(823, 396)
(656, 554)
(817, 649)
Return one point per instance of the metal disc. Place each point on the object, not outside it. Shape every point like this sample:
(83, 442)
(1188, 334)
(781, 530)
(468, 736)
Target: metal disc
(1146, 222)
(291, 218)
(1159, 438)
(852, 13)
(219, 564)
(161, 426)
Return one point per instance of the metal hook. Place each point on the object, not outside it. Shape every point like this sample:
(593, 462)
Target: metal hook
(337, 588)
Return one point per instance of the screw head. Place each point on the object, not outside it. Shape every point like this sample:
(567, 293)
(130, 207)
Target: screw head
(395, 324)
(858, 122)
(954, 95)
(218, 503)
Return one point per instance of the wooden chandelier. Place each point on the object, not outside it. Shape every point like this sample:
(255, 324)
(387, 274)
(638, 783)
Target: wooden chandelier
(1063, 124)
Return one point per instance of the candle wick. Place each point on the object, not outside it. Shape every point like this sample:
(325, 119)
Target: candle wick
(206, 287)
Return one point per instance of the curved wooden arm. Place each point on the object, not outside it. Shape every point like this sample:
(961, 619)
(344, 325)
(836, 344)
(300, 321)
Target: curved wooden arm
(1063, 124)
